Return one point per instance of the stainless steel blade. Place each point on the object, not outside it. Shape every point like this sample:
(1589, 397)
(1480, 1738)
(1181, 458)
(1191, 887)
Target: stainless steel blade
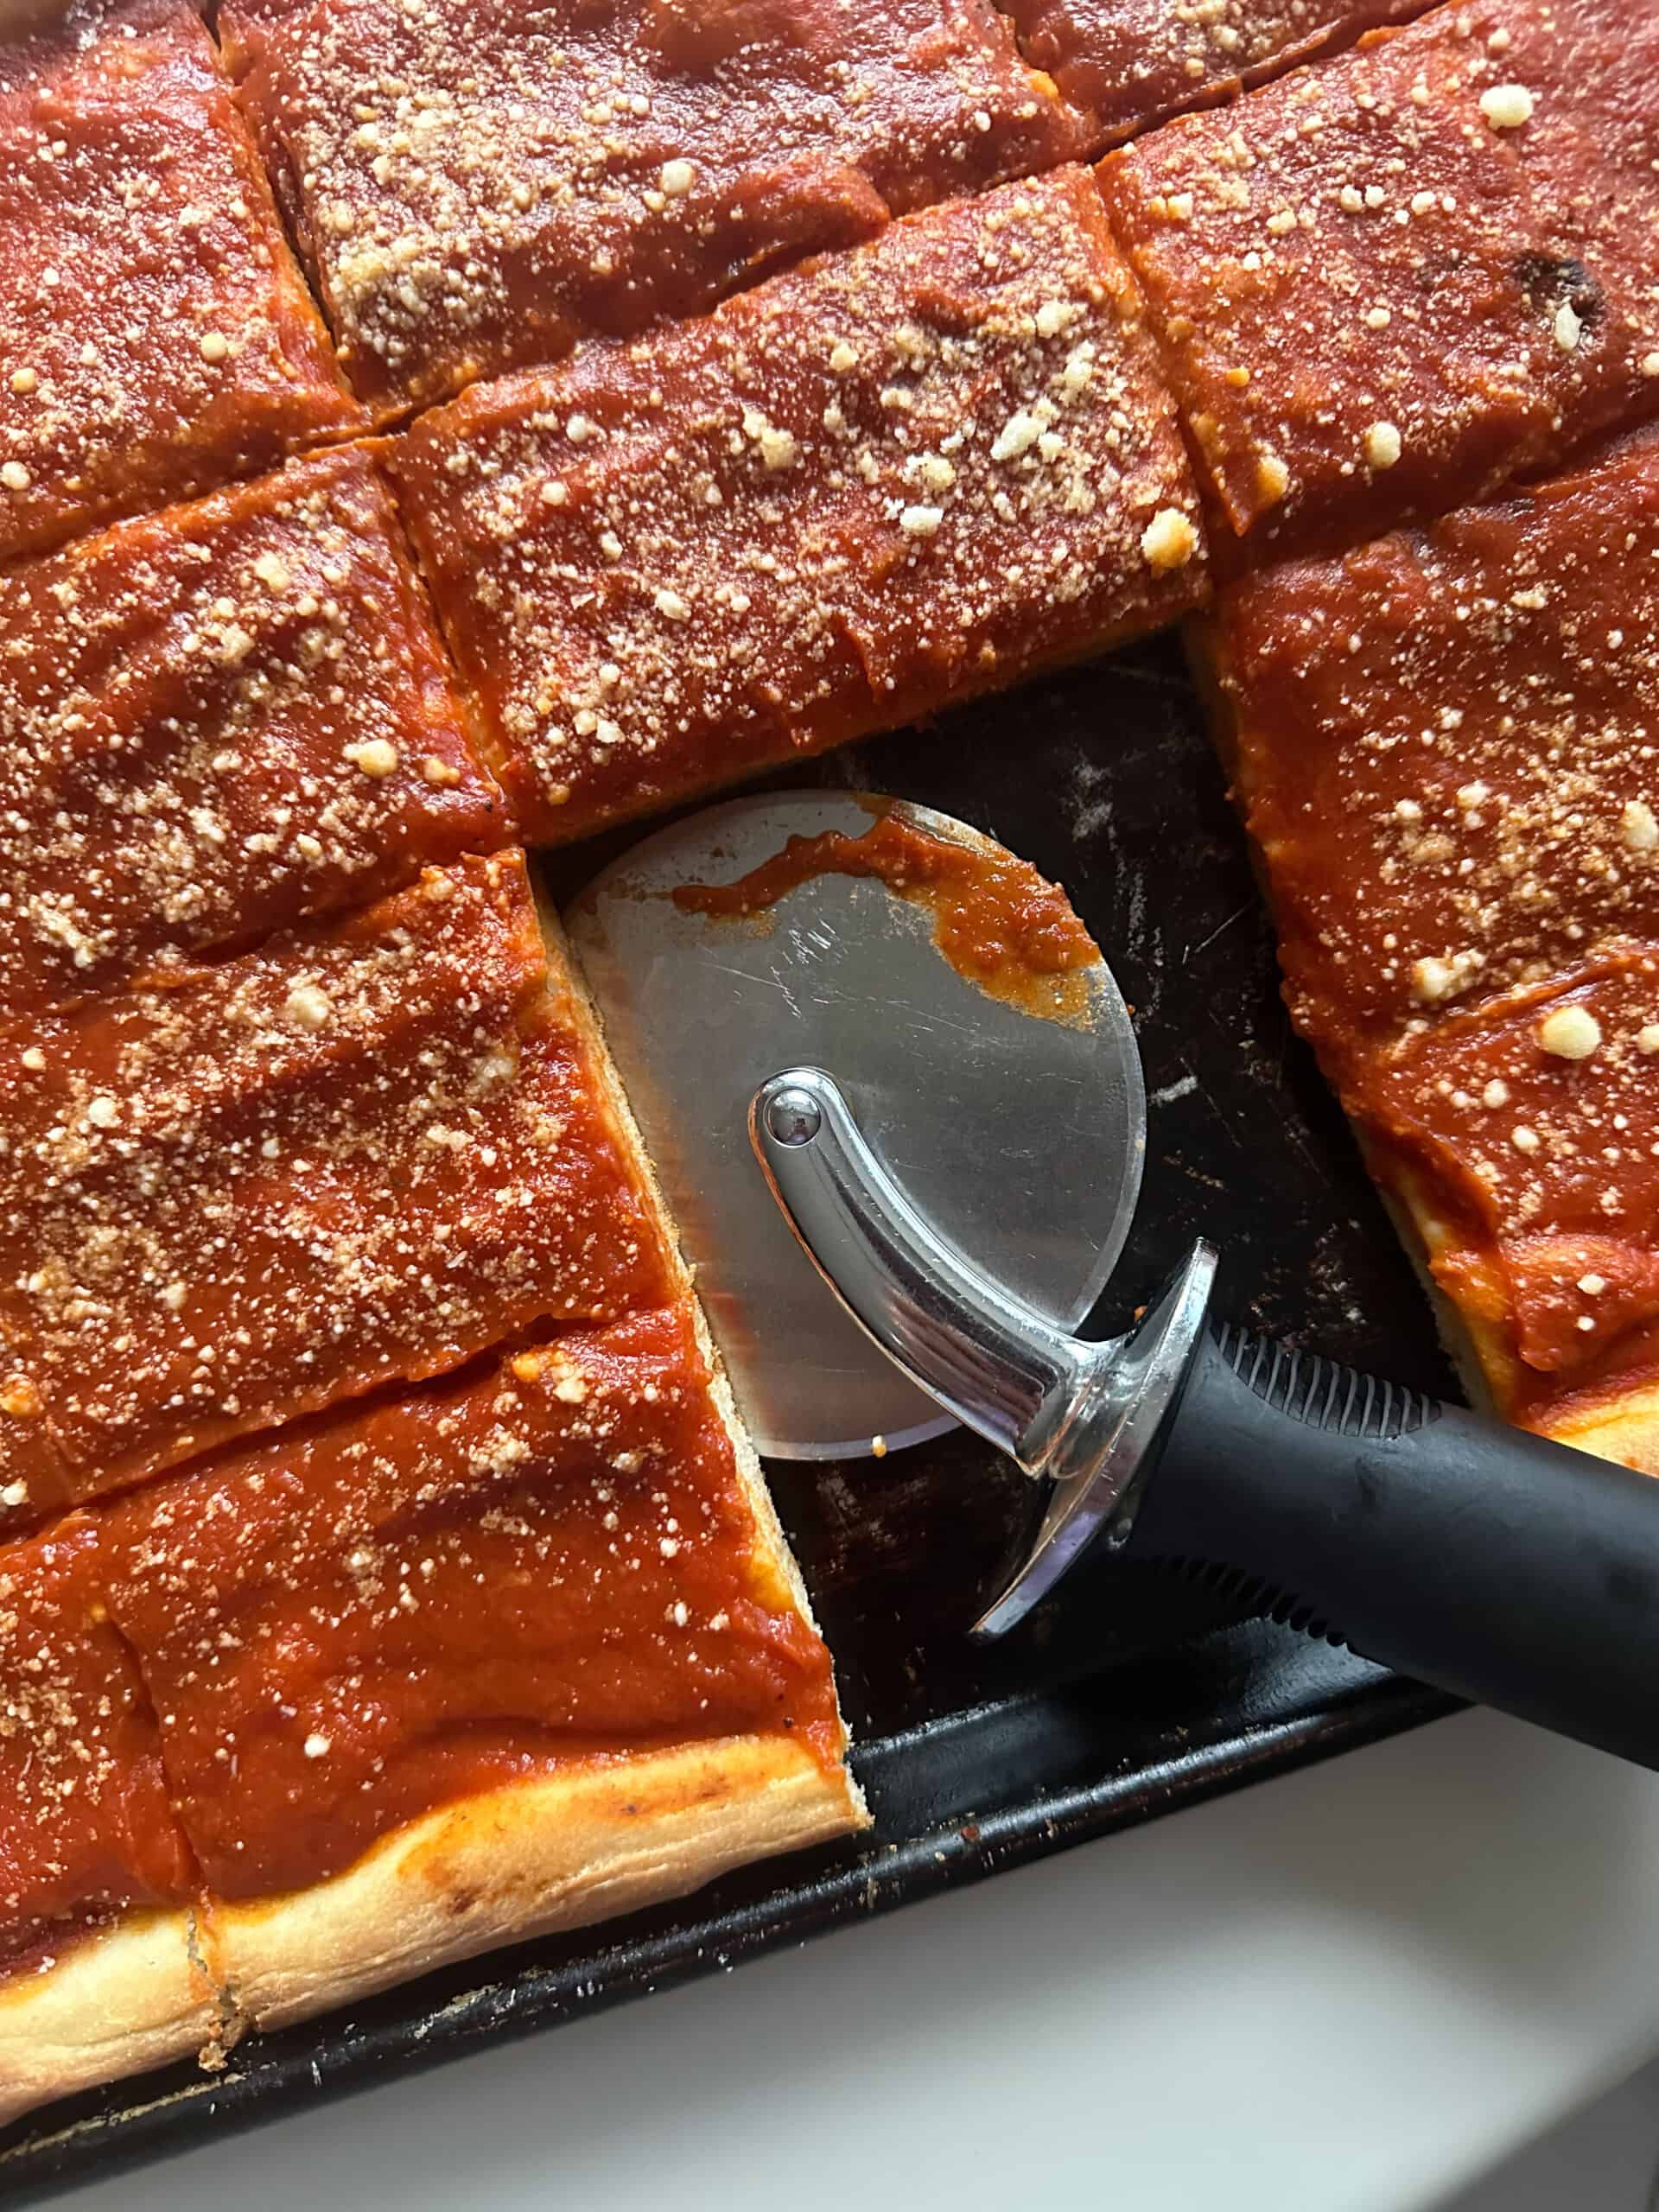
(1019, 1137)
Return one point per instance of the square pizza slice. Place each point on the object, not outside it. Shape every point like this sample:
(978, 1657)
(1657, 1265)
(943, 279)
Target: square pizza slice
(475, 184)
(891, 479)
(100, 1968)
(366, 1150)
(1124, 64)
(155, 335)
(1384, 285)
(1446, 744)
(221, 718)
(499, 1655)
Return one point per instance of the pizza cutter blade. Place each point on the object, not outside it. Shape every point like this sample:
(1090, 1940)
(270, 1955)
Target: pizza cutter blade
(953, 1179)
(1021, 1138)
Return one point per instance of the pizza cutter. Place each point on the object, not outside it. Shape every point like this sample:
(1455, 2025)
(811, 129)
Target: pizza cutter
(954, 1175)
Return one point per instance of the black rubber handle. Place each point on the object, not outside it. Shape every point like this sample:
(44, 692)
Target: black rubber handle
(1488, 1562)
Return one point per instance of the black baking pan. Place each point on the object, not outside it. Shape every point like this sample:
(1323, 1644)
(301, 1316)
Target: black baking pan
(1132, 1692)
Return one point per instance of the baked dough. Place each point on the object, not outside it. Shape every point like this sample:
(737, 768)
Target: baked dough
(872, 487)
(384, 1747)
(545, 1559)
(592, 166)
(1442, 744)
(1617, 1420)
(529, 1860)
(97, 1973)
(1385, 284)
(155, 331)
(122, 1998)
(220, 719)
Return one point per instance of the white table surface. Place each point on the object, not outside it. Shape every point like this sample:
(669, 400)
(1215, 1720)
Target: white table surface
(1350, 1989)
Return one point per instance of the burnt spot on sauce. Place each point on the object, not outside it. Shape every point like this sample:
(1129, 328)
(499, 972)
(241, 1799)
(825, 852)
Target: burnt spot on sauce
(1552, 281)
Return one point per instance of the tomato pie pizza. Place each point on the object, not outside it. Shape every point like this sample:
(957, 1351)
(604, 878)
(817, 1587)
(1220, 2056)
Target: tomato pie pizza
(893, 479)
(366, 1151)
(496, 1655)
(448, 1662)
(156, 338)
(220, 720)
(384, 1574)
(477, 184)
(1384, 286)
(100, 1968)
(1446, 744)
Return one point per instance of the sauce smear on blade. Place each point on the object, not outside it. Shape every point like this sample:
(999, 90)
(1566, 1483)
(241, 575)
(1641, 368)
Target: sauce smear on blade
(996, 920)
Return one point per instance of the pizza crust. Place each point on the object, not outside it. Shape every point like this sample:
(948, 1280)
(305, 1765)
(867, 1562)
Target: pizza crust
(1625, 1429)
(121, 2000)
(1622, 1427)
(528, 1859)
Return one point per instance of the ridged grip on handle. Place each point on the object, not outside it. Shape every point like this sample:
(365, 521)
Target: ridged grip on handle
(1491, 1563)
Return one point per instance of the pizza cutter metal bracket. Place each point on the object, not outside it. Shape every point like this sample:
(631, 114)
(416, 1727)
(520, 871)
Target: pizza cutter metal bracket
(1078, 1415)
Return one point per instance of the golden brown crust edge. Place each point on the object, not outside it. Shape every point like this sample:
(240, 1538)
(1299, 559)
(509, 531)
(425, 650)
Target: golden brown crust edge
(123, 1999)
(528, 1859)
(1625, 1429)
(1485, 1362)
(1624, 1425)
